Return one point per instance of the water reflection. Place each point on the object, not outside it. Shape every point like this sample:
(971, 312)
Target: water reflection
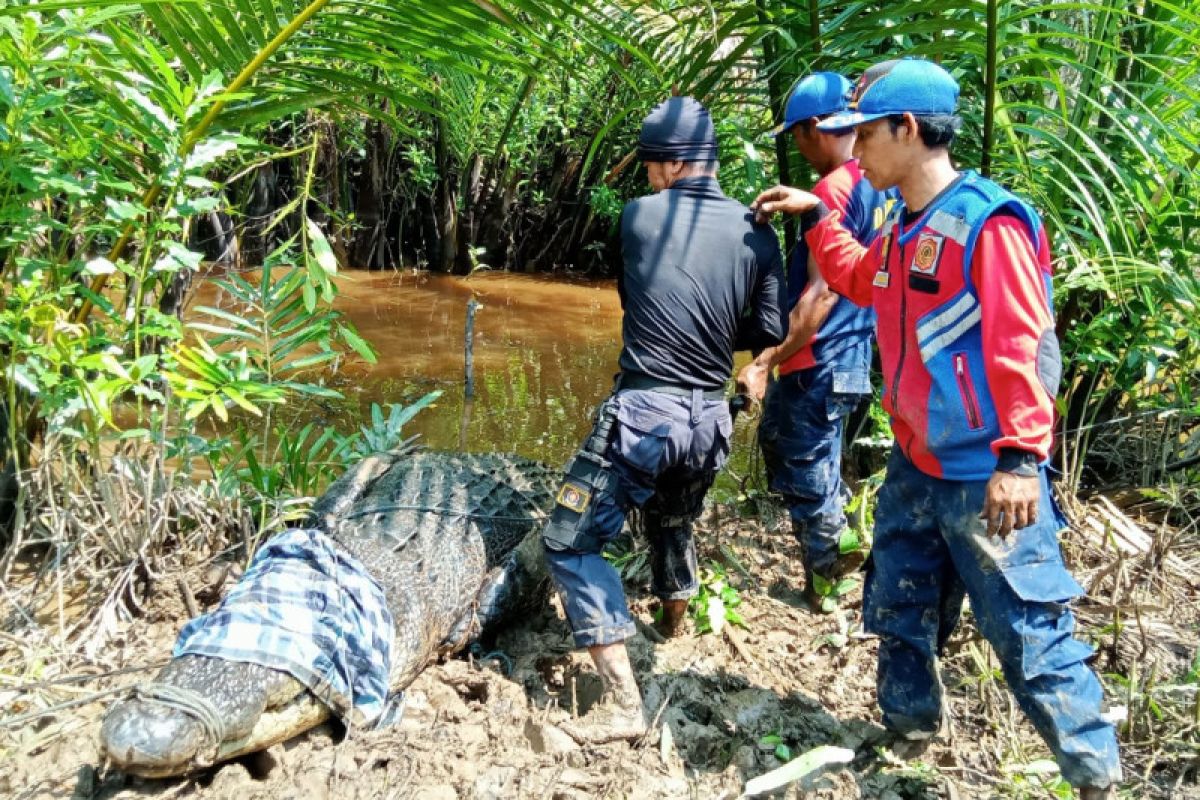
(545, 353)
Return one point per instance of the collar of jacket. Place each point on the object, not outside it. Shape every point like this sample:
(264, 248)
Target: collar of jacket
(697, 186)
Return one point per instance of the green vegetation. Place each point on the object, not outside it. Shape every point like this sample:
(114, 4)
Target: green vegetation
(774, 742)
(717, 601)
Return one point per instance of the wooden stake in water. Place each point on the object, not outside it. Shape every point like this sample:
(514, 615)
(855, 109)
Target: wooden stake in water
(469, 349)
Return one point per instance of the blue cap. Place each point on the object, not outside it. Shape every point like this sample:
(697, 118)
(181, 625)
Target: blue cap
(819, 94)
(895, 87)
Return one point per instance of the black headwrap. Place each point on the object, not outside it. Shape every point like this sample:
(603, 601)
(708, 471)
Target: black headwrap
(678, 129)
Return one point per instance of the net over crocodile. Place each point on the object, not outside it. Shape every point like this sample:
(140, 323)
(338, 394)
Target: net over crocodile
(405, 557)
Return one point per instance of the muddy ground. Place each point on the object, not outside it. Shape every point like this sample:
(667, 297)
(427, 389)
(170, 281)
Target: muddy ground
(486, 727)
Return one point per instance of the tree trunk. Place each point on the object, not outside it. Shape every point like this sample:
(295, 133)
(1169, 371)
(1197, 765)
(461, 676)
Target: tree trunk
(445, 202)
(777, 92)
(368, 242)
(259, 208)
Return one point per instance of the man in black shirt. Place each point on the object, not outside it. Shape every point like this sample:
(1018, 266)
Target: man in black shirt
(701, 279)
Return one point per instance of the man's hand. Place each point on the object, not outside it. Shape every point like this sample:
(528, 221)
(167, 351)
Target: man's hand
(785, 199)
(752, 380)
(1010, 503)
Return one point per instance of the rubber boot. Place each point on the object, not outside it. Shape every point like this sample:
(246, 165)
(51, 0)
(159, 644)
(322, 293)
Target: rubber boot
(674, 618)
(619, 713)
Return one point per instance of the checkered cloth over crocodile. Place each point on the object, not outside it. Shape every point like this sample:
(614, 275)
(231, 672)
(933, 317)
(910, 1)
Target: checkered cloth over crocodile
(310, 609)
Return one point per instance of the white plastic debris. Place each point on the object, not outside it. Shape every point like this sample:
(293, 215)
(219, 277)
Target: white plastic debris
(798, 768)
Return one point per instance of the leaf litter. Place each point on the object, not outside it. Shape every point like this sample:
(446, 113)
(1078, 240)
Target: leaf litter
(782, 707)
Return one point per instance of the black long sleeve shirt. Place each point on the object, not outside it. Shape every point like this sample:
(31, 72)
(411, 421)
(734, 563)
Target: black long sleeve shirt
(701, 280)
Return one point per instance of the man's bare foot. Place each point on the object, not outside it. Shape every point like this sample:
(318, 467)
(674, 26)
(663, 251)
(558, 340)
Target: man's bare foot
(909, 746)
(910, 749)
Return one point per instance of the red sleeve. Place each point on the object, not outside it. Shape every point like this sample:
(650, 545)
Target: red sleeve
(834, 189)
(846, 265)
(1012, 278)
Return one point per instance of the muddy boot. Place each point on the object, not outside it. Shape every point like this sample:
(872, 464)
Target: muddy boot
(843, 566)
(674, 622)
(847, 563)
(816, 602)
(619, 713)
(1098, 793)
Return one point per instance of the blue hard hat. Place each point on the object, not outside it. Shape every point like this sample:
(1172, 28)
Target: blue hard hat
(895, 87)
(818, 94)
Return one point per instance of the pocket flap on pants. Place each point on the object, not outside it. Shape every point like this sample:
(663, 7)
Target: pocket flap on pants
(1045, 630)
(1043, 582)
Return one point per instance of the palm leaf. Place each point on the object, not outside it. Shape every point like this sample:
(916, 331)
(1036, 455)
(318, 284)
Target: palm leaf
(283, 57)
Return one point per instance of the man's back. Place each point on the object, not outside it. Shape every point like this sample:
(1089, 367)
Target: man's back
(700, 278)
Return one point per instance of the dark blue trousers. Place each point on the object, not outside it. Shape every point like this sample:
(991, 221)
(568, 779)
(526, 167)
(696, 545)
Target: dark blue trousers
(930, 550)
(800, 434)
(664, 445)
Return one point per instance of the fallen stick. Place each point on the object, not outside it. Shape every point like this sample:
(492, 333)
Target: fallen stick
(81, 678)
(1129, 536)
(735, 639)
(54, 709)
(189, 600)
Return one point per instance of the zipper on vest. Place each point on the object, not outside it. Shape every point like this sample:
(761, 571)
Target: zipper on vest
(974, 418)
(903, 328)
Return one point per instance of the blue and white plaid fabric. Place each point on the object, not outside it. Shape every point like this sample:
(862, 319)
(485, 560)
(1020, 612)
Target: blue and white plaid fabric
(308, 608)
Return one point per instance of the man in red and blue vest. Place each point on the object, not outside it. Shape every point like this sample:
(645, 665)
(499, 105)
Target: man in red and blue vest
(959, 278)
(825, 361)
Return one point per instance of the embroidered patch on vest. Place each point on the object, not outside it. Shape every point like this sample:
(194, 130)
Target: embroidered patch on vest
(574, 497)
(928, 254)
(882, 279)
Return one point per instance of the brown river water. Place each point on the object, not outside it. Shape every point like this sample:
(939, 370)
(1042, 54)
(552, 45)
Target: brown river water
(545, 351)
(545, 354)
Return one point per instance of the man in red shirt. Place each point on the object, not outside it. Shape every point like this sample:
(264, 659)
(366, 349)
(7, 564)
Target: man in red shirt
(959, 278)
(824, 364)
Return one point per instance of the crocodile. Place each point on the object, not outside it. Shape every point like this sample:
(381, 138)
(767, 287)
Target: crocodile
(452, 540)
